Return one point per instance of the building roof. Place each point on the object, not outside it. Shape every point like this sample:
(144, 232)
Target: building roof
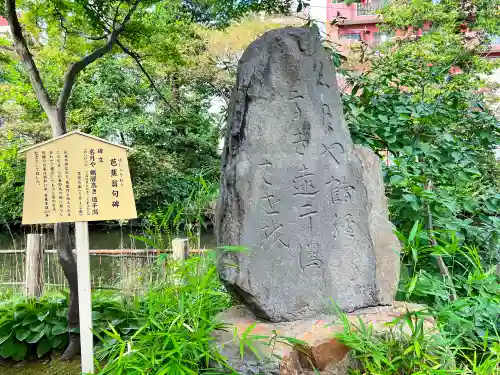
(73, 133)
(374, 19)
(3, 22)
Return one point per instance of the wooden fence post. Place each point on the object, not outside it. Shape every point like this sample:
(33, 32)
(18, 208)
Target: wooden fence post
(34, 265)
(180, 253)
(180, 249)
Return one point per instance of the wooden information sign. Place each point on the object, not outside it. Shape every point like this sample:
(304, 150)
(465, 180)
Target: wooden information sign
(78, 178)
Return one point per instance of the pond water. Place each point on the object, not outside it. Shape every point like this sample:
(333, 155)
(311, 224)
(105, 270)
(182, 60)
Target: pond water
(106, 271)
(114, 238)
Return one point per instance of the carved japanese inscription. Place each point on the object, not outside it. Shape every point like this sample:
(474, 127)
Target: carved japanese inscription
(293, 188)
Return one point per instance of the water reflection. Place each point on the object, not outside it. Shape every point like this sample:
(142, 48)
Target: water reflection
(106, 271)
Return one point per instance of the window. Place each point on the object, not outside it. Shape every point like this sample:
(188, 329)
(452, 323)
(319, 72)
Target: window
(350, 37)
(494, 39)
(380, 37)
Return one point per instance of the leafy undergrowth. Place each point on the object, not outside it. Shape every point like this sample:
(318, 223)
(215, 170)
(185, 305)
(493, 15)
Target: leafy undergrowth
(177, 333)
(166, 330)
(51, 368)
(31, 329)
(465, 307)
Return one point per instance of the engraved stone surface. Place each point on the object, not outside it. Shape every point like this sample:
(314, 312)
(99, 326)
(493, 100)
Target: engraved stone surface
(293, 189)
(386, 245)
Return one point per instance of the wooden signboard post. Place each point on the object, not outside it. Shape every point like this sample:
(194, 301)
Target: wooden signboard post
(78, 178)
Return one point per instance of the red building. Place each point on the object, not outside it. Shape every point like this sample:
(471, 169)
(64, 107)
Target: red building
(358, 21)
(4, 26)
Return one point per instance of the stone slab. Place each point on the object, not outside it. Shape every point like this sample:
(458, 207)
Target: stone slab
(294, 189)
(321, 352)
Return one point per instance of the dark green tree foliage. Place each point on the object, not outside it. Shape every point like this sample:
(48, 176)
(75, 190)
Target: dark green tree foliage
(11, 182)
(139, 93)
(220, 13)
(170, 146)
(420, 103)
(435, 134)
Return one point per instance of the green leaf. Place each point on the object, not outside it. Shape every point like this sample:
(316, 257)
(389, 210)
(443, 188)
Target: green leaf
(34, 337)
(409, 197)
(448, 137)
(408, 150)
(473, 170)
(391, 139)
(43, 347)
(20, 312)
(7, 349)
(396, 179)
(53, 319)
(56, 341)
(463, 176)
(456, 155)
(415, 206)
(413, 232)
(425, 147)
(37, 327)
(19, 351)
(48, 329)
(22, 333)
(383, 118)
(59, 329)
(490, 206)
(5, 338)
(29, 319)
(42, 315)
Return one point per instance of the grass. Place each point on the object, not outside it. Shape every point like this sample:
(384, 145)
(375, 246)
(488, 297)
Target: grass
(55, 367)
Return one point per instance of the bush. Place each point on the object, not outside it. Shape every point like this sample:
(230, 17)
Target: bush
(407, 348)
(173, 322)
(464, 303)
(35, 327)
(11, 181)
(29, 327)
(176, 336)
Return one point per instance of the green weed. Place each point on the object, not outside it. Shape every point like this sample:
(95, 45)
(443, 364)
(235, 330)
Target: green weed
(177, 334)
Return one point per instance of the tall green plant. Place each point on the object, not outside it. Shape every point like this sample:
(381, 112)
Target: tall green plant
(11, 180)
(32, 328)
(176, 337)
(407, 346)
(184, 217)
(440, 140)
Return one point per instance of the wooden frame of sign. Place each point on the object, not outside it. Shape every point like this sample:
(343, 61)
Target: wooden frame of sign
(78, 178)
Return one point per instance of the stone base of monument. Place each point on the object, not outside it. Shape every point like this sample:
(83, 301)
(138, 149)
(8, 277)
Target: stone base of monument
(322, 353)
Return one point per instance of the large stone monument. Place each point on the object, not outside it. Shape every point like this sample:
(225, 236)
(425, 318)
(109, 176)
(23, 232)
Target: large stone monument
(307, 203)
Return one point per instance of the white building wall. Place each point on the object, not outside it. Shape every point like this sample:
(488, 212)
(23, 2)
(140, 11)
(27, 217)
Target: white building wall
(317, 12)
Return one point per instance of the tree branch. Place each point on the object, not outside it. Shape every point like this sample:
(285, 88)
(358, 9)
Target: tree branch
(115, 19)
(77, 67)
(137, 59)
(21, 48)
(7, 48)
(443, 269)
(62, 22)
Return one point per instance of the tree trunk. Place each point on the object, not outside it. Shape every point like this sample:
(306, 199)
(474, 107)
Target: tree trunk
(57, 119)
(64, 245)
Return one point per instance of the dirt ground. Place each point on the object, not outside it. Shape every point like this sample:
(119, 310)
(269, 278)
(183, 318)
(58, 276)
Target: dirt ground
(55, 367)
